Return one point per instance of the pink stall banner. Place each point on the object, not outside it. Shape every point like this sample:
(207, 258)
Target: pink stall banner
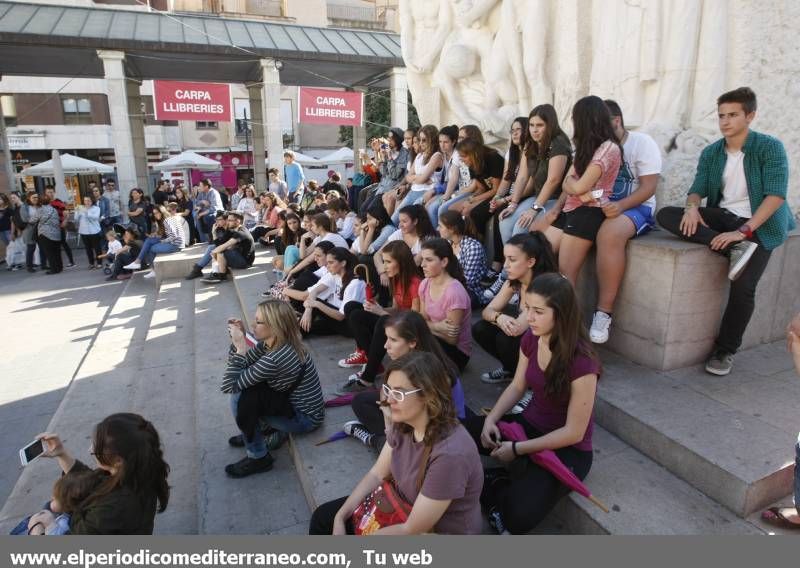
(326, 106)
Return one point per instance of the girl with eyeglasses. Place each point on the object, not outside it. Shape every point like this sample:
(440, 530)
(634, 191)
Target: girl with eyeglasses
(432, 461)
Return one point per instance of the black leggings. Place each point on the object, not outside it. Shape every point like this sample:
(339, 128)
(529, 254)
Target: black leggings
(455, 354)
(322, 519)
(369, 332)
(530, 492)
(120, 260)
(52, 249)
(92, 245)
(497, 344)
(323, 324)
(65, 246)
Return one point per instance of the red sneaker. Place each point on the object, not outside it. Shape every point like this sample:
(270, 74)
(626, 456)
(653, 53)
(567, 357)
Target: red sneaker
(356, 359)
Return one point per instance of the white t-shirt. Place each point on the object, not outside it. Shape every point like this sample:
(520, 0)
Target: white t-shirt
(334, 238)
(356, 291)
(114, 246)
(734, 186)
(345, 226)
(431, 181)
(398, 236)
(463, 171)
(642, 157)
(323, 295)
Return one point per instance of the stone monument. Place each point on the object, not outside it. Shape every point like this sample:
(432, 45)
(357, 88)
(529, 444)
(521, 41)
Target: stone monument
(485, 62)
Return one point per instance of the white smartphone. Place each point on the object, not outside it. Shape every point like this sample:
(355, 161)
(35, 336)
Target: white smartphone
(597, 193)
(31, 452)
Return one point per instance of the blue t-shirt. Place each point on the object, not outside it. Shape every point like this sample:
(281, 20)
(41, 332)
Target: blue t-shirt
(294, 176)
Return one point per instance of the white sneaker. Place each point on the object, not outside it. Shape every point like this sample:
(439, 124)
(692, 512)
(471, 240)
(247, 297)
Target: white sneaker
(601, 322)
(523, 402)
(135, 265)
(150, 274)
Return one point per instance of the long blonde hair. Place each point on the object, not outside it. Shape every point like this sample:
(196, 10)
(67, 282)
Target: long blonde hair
(281, 319)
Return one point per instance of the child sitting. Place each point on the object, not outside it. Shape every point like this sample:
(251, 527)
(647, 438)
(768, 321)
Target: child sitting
(69, 492)
(114, 247)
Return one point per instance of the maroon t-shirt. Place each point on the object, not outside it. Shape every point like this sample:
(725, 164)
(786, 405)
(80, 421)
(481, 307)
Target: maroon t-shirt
(454, 473)
(544, 412)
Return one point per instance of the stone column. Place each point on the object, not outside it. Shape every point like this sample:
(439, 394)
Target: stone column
(360, 132)
(257, 123)
(398, 89)
(121, 131)
(11, 183)
(136, 117)
(272, 112)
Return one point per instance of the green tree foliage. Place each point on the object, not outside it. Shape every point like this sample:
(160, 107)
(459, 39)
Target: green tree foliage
(377, 112)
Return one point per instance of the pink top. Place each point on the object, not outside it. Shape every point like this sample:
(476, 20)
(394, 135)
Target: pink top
(270, 218)
(609, 158)
(455, 297)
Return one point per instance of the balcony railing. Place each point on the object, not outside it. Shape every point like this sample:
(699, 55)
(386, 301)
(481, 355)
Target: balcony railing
(356, 16)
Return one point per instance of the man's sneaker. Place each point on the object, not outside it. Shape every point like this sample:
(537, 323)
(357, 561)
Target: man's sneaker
(215, 277)
(601, 322)
(499, 375)
(135, 265)
(496, 521)
(358, 358)
(523, 403)
(720, 363)
(236, 441)
(249, 466)
(357, 430)
(275, 439)
(740, 254)
(150, 274)
(196, 272)
(352, 384)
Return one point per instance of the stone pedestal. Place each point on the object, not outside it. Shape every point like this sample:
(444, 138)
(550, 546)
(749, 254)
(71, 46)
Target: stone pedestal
(271, 92)
(398, 89)
(671, 301)
(257, 128)
(360, 132)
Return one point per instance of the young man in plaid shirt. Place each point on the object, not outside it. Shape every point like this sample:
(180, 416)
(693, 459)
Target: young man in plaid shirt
(744, 178)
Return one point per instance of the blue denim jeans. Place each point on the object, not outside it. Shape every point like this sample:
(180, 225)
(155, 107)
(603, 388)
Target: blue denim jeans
(257, 447)
(153, 246)
(508, 226)
(203, 262)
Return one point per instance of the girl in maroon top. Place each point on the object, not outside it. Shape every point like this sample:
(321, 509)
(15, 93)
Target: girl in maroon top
(367, 324)
(557, 363)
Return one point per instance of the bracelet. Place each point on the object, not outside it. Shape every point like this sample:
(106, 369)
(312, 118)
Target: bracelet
(514, 448)
(496, 317)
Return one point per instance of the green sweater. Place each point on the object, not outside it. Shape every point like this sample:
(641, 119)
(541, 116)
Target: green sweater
(766, 170)
(119, 512)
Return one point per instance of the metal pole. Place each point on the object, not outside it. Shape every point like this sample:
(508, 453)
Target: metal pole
(247, 139)
(12, 179)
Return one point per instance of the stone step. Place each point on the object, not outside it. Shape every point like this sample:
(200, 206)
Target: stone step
(730, 437)
(645, 498)
(269, 503)
(177, 264)
(102, 385)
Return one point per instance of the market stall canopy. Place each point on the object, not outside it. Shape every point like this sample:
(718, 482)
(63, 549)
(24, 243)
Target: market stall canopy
(343, 155)
(187, 161)
(71, 165)
(301, 159)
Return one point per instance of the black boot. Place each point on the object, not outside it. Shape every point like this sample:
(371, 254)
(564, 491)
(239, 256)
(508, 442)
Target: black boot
(249, 466)
(196, 272)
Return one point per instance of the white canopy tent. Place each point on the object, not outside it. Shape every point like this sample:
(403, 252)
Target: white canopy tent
(343, 155)
(187, 160)
(70, 165)
(300, 158)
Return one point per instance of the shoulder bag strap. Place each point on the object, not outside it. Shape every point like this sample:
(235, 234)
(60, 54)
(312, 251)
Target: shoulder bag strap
(423, 466)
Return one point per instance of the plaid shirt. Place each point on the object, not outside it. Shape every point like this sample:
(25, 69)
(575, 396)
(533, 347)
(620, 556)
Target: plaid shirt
(472, 259)
(766, 170)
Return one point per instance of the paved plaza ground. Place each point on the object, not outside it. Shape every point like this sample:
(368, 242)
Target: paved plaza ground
(676, 452)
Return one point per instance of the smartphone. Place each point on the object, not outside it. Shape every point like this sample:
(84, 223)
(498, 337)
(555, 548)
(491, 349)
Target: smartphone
(31, 452)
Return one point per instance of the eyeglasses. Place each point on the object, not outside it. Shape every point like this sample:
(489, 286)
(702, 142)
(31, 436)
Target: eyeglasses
(397, 395)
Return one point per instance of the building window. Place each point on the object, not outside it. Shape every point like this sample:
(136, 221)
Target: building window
(206, 125)
(77, 110)
(9, 109)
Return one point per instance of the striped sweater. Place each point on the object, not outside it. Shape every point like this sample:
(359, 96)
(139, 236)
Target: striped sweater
(279, 368)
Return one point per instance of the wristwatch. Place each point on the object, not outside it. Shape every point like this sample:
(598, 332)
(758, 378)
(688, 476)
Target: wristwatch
(746, 231)
(538, 208)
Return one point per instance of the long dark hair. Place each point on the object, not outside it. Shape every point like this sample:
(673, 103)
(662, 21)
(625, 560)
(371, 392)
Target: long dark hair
(425, 371)
(432, 134)
(131, 443)
(549, 116)
(568, 338)
(288, 236)
(472, 132)
(443, 249)
(411, 326)
(534, 245)
(341, 254)
(516, 151)
(591, 121)
(402, 255)
(457, 223)
(378, 211)
(418, 213)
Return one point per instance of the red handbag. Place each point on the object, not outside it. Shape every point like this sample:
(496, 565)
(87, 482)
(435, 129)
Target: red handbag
(385, 506)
